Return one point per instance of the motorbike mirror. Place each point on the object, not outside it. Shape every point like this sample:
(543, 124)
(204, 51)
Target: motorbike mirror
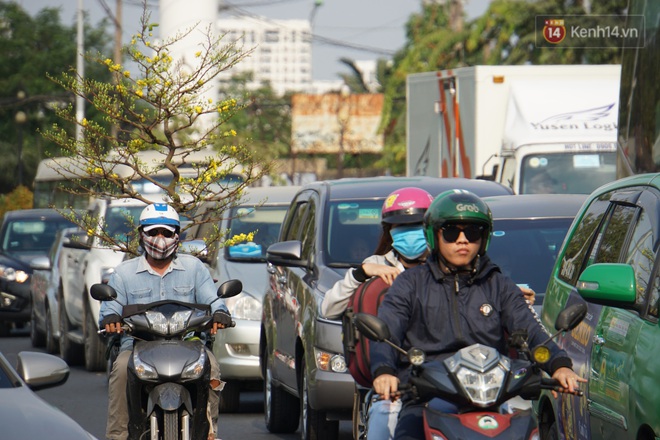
(102, 292)
(372, 327)
(375, 329)
(230, 288)
(570, 317)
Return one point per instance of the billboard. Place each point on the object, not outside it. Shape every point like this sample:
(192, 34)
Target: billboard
(334, 123)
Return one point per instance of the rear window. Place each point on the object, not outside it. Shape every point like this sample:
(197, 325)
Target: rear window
(526, 249)
(353, 231)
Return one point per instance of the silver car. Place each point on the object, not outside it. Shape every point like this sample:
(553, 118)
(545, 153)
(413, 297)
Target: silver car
(44, 289)
(23, 414)
(261, 211)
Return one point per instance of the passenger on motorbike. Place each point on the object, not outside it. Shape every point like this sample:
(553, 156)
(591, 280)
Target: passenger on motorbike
(457, 299)
(157, 275)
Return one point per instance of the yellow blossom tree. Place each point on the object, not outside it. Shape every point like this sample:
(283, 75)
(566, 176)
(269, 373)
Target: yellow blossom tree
(159, 114)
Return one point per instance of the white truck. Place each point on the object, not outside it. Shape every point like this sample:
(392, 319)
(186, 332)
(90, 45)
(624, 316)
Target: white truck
(549, 128)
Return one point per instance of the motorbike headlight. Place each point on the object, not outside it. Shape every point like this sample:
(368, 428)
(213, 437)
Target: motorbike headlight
(157, 321)
(482, 388)
(143, 370)
(179, 321)
(195, 370)
(244, 306)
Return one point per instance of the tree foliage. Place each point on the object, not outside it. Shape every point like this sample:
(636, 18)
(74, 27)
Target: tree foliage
(32, 47)
(162, 110)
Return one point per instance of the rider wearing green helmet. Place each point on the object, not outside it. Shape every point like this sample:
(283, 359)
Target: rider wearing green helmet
(455, 207)
(458, 298)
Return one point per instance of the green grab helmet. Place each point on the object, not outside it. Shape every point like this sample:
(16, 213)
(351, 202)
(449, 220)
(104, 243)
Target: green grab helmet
(457, 206)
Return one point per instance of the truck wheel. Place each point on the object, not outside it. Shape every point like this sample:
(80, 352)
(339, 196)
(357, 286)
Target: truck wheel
(314, 425)
(37, 337)
(69, 351)
(94, 345)
(52, 345)
(230, 397)
(281, 409)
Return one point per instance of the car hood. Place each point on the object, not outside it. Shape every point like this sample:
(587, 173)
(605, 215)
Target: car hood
(24, 415)
(15, 262)
(253, 276)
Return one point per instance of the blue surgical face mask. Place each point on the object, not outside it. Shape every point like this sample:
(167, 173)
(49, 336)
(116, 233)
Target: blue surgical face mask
(409, 241)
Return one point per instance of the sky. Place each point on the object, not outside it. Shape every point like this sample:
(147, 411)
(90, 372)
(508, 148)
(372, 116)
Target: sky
(375, 26)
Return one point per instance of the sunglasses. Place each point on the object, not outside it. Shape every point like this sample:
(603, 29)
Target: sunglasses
(472, 232)
(162, 231)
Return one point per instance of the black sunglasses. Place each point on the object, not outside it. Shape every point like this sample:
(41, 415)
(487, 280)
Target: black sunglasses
(472, 232)
(162, 231)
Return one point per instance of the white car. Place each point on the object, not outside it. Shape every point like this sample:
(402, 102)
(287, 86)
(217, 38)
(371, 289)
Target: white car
(82, 264)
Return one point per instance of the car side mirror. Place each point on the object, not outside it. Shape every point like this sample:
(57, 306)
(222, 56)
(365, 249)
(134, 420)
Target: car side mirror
(609, 284)
(40, 263)
(286, 253)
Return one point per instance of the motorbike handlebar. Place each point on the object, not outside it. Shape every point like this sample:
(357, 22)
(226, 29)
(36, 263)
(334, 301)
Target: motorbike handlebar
(553, 385)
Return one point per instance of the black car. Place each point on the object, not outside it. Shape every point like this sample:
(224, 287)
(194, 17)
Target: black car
(329, 227)
(25, 234)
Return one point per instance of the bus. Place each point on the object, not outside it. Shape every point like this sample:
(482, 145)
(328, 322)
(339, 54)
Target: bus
(639, 99)
(57, 182)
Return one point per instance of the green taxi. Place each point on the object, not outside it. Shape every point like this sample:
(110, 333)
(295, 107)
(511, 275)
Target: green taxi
(609, 260)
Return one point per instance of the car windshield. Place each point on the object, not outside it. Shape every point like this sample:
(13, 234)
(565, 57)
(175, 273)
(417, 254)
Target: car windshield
(353, 231)
(32, 236)
(526, 249)
(567, 173)
(264, 221)
(122, 220)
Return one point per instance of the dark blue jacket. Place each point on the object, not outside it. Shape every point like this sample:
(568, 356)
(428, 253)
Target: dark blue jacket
(440, 313)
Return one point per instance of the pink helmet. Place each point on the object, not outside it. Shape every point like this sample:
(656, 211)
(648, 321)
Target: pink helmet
(406, 205)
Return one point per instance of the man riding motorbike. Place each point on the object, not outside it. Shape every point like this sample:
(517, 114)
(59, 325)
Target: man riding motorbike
(457, 299)
(157, 275)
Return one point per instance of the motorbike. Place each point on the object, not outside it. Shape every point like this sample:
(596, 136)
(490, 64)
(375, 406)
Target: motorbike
(169, 369)
(479, 381)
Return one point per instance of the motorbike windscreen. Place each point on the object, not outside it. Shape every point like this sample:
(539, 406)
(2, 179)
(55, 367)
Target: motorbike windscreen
(353, 231)
(254, 229)
(567, 173)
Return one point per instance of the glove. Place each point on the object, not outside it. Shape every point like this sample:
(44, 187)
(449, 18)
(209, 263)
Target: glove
(111, 323)
(223, 318)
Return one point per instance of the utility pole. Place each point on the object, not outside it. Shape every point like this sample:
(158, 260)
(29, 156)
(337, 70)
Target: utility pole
(114, 130)
(80, 70)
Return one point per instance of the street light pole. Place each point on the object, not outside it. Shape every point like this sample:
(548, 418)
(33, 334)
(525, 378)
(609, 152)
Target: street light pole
(20, 118)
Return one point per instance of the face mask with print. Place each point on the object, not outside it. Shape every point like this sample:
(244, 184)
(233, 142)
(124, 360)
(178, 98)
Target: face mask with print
(159, 247)
(409, 241)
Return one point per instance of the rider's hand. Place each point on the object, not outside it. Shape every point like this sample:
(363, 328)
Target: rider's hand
(386, 385)
(221, 319)
(529, 295)
(112, 324)
(568, 380)
(387, 273)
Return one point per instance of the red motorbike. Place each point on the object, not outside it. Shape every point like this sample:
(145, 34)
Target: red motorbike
(478, 380)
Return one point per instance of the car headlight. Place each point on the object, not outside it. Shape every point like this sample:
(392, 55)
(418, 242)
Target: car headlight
(143, 370)
(161, 325)
(330, 361)
(244, 306)
(195, 370)
(12, 274)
